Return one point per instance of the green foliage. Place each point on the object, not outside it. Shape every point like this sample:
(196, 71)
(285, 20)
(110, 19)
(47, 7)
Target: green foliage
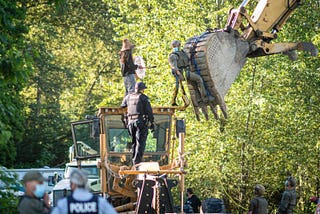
(8, 186)
(272, 105)
(73, 52)
(72, 61)
(14, 71)
(12, 47)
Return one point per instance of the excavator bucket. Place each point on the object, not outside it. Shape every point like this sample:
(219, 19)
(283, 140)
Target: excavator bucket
(217, 56)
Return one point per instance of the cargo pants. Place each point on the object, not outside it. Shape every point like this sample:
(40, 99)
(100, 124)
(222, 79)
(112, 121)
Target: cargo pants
(138, 131)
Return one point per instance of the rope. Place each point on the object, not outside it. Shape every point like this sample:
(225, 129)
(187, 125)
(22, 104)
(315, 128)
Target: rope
(194, 61)
(114, 174)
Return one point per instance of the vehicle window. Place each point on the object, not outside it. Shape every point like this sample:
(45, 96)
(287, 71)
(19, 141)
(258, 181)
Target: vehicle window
(92, 171)
(87, 144)
(119, 140)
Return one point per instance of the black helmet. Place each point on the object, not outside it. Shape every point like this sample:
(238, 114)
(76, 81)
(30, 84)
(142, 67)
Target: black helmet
(139, 86)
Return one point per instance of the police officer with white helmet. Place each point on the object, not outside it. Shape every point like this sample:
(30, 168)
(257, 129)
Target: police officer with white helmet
(81, 200)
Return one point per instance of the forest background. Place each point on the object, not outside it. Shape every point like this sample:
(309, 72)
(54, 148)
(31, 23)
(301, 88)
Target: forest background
(59, 62)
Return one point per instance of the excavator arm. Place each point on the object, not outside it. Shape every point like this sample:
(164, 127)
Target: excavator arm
(263, 25)
(266, 20)
(218, 55)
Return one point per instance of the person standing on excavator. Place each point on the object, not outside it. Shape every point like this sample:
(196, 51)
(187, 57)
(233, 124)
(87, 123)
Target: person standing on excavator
(180, 64)
(127, 66)
(140, 115)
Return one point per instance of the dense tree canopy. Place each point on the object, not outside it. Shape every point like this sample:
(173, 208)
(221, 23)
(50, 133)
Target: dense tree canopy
(59, 62)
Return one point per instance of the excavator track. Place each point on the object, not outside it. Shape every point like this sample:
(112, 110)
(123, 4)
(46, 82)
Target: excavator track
(217, 56)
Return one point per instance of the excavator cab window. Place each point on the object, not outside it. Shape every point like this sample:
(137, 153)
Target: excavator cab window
(86, 146)
(119, 145)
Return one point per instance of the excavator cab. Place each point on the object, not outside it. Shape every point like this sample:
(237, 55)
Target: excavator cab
(106, 138)
(118, 141)
(218, 55)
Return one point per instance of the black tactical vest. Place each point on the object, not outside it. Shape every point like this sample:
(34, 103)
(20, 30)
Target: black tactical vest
(83, 207)
(135, 107)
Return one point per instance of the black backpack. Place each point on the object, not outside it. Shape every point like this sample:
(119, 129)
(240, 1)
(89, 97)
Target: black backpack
(213, 205)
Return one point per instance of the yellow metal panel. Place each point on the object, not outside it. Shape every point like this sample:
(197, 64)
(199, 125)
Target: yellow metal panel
(270, 12)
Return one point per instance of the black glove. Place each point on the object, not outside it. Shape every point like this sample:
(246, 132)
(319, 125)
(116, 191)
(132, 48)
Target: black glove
(152, 127)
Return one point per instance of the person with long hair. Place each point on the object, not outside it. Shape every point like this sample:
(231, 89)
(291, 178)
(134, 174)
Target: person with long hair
(127, 66)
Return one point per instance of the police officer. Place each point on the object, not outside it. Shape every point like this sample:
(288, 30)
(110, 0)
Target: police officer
(35, 199)
(140, 115)
(193, 200)
(289, 197)
(179, 62)
(81, 200)
(258, 205)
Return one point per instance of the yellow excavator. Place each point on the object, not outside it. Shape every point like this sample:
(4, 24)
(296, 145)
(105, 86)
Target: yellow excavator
(218, 55)
(145, 188)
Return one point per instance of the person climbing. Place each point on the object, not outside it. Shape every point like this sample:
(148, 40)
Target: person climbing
(140, 115)
(289, 197)
(180, 67)
(127, 66)
(258, 205)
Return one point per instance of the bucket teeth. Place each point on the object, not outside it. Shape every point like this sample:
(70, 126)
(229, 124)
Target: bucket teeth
(218, 57)
(309, 47)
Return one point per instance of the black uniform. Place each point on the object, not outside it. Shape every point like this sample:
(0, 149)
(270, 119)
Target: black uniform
(194, 202)
(139, 115)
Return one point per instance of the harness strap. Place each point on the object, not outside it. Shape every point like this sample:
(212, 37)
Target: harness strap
(194, 61)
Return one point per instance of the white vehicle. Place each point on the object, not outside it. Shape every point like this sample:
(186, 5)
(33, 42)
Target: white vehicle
(62, 188)
(52, 175)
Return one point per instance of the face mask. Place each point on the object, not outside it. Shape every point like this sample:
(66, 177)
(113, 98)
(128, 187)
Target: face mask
(175, 49)
(39, 191)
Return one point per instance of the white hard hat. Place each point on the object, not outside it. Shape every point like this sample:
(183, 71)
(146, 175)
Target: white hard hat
(79, 178)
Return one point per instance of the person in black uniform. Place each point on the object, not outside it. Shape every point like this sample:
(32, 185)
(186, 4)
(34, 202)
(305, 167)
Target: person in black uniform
(140, 115)
(193, 200)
